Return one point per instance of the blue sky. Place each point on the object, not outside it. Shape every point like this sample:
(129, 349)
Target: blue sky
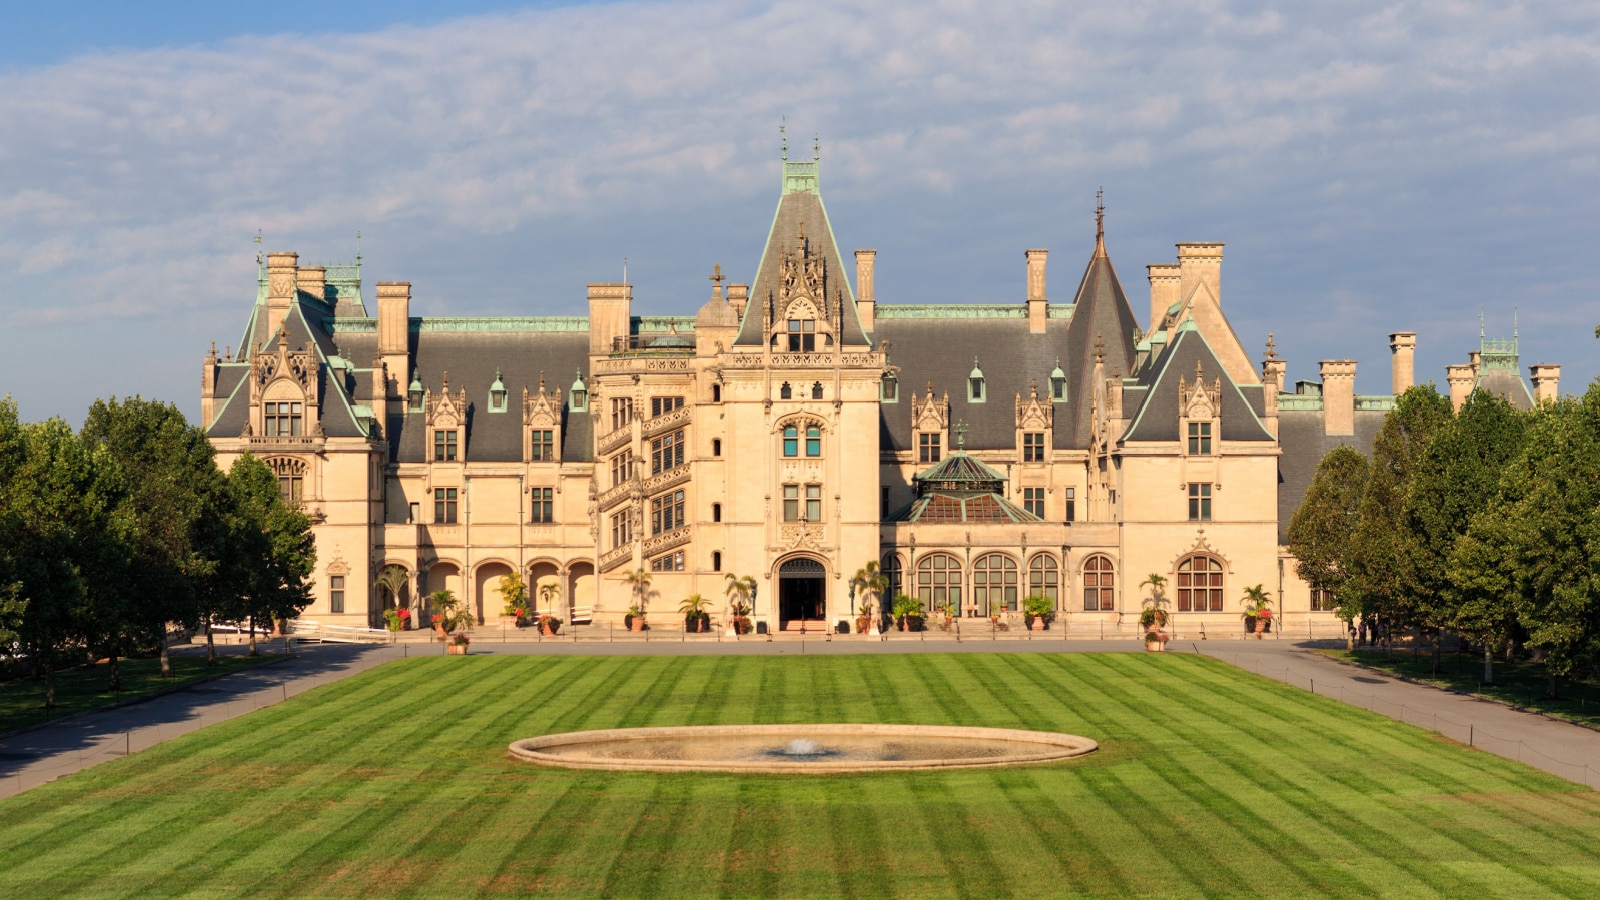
(1371, 167)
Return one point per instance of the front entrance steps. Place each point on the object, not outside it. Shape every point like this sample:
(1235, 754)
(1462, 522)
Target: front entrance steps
(804, 626)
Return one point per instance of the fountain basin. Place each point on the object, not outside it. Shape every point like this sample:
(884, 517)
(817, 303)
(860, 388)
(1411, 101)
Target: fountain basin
(799, 749)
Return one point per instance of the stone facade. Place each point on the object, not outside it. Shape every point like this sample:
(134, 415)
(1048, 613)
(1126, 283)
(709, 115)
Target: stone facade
(792, 430)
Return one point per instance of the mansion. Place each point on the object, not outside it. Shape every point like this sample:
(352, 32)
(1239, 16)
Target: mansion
(792, 430)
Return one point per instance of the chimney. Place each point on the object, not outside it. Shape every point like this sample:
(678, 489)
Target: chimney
(1403, 346)
(610, 314)
(1474, 362)
(1546, 377)
(865, 302)
(281, 269)
(1338, 396)
(312, 280)
(1164, 291)
(1200, 263)
(739, 298)
(394, 336)
(208, 388)
(1273, 371)
(1461, 378)
(1038, 307)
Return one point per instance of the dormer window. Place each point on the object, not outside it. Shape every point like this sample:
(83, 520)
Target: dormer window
(497, 394)
(580, 394)
(802, 335)
(282, 419)
(976, 386)
(414, 394)
(1058, 384)
(890, 390)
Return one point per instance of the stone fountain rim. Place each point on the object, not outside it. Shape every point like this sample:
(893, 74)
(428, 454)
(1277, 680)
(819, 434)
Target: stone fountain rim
(1055, 746)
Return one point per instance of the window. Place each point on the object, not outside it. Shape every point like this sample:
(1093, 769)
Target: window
(621, 412)
(1058, 387)
(666, 452)
(282, 419)
(666, 512)
(802, 335)
(1033, 446)
(415, 516)
(544, 506)
(1199, 438)
(816, 390)
(444, 506)
(1199, 502)
(716, 560)
(543, 446)
(1322, 600)
(716, 512)
(291, 478)
(994, 585)
(1200, 584)
(716, 393)
(444, 445)
(1033, 500)
(672, 562)
(716, 446)
(975, 389)
(336, 593)
(791, 440)
(813, 440)
(1099, 585)
(1072, 505)
(890, 389)
(893, 573)
(1044, 578)
(660, 406)
(813, 503)
(928, 447)
(785, 392)
(621, 467)
(791, 503)
(621, 529)
(939, 583)
(883, 503)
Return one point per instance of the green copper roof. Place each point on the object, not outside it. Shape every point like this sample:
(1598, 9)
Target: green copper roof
(960, 471)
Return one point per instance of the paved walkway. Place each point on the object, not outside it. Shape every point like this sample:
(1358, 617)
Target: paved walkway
(44, 754)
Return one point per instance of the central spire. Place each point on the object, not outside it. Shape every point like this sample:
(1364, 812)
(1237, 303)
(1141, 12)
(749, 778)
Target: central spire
(1099, 222)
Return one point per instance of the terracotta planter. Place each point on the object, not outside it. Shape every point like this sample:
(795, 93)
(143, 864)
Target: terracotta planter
(1261, 628)
(1038, 623)
(637, 624)
(548, 629)
(1155, 646)
(439, 631)
(455, 649)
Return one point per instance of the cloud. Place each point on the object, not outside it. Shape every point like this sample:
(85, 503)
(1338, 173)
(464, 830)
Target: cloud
(1362, 159)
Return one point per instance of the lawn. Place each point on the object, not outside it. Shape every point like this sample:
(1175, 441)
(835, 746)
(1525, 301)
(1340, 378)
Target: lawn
(84, 688)
(1210, 781)
(1519, 684)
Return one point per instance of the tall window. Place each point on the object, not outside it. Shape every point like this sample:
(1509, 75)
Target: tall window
(994, 585)
(1033, 500)
(544, 446)
(802, 335)
(282, 419)
(975, 385)
(716, 393)
(928, 447)
(1199, 502)
(336, 593)
(621, 529)
(1033, 446)
(813, 503)
(291, 478)
(1058, 387)
(660, 406)
(444, 506)
(1072, 504)
(666, 452)
(889, 391)
(716, 446)
(544, 505)
(621, 467)
(791, 503)
(672, 562)
(1200, 584)
(716, 512)
(621, 412)
(444, 445)
(883, 503)
(1044, 578)
(895, 575)
(666, 512)
(1199, 438)
(791, 440)
(785, 392)
(1322, 600)
(813, 440)
(1099, 584)
(939, 582)
(716, 560)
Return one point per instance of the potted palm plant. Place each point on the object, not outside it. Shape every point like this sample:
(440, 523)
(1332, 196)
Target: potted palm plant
(1257, 605)
(695, 618)
(450, 614)
(740, 590)
(514, 600)
(549, 622)
(1038, 608)
(639, 580)
(391, 581)
(1154, 616)
(869, 583)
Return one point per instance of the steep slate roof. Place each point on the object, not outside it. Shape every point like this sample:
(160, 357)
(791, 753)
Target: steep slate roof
(339, 418)
(1100, 314)
(1156, 418)
(1506, 383)
(1303, 446)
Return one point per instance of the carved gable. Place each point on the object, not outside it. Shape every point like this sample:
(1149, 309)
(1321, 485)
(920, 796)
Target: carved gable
(541, 412)
(1034, 414)
(1197, 400)
(288, 376)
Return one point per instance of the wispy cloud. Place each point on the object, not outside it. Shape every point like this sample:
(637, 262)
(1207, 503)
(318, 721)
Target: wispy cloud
(1385, 164)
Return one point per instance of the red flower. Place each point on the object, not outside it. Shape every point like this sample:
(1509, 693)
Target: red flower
(437, 618)
(405, 613)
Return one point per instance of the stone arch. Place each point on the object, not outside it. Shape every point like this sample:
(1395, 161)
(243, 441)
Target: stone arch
(540, 573)
(581, 586)
(441, 575)
(1098, 574)
(937, 579)
(1044, 578)
(894, 569)
(802, 587)
(486, 579)
(995, 584)
(1200, 579)
(283, 388)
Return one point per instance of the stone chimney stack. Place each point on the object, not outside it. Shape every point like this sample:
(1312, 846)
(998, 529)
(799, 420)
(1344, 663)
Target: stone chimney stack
(1338, 396)
(1461, 378)
(865, 302)
(1546, 378)
(1403, 346)
(1200, 263)
(281, 268)
(1038, 306)
(394, 337)
(313, 281)
(1165, 290)
(208, 388)
(610, 314)
(739, 298)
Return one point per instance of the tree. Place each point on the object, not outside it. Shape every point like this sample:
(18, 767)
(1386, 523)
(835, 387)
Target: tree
(1321, 529)
(639, 581)
(740, 591)
(279, 549)
(391, 580)
(550, 593)
(870, 581)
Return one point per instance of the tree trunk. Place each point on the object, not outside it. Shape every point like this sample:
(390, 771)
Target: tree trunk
(166, 655)
(116, 676)
(1488, 665)
(1550, 687)
(211, 645)
(1438, 645)
(49, 687)
(253, 637)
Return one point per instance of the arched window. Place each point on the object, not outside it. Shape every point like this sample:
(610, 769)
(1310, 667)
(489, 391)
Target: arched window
(785, 392)
(994, 585)
(816, 390)
(1099, 584)
(895, 575)
(1200, 584)
(1044, 579)
(291, 478)
(813, 440)
(977, 385)
(716, 393)
(791, 440)
(939, 583)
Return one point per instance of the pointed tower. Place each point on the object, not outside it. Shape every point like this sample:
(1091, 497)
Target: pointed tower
(1101, 315)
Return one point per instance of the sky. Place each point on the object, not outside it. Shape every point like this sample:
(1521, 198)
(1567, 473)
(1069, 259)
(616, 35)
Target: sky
(1372, 167)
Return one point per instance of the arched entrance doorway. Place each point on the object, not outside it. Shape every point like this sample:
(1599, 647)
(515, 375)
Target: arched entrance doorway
(802, 592)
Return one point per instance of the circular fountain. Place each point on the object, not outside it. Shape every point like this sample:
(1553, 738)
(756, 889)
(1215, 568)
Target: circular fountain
(805, 749)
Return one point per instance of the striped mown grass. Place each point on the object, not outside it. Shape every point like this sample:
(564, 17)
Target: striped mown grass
(1210, 781)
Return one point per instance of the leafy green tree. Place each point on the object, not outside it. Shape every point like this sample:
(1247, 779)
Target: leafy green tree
(870, 582)
(277, 548)
(639, 581)
(1321, 529)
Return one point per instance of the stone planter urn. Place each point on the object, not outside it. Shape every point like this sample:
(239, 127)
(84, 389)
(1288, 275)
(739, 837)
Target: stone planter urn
(636, 623)
(455, 649)
(1038, 623)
